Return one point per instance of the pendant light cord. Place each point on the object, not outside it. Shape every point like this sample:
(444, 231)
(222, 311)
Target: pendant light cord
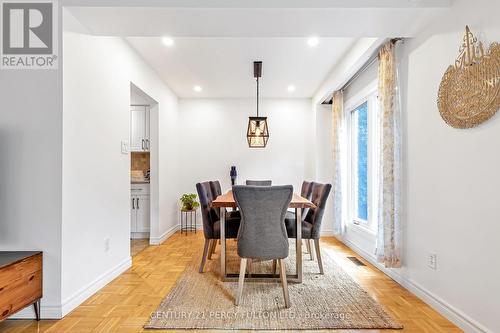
(257, 96)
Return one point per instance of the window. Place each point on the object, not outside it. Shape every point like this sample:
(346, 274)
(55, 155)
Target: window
(359, 161)
(362, 120)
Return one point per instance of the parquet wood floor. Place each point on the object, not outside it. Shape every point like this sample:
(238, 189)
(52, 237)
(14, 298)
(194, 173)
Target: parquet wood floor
(125, 304)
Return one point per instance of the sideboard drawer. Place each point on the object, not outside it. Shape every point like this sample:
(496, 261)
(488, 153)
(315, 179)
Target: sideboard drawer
(20, 269)
(20, 292)
(21, 275)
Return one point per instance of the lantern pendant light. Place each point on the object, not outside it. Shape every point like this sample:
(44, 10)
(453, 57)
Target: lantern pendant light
(257, 132)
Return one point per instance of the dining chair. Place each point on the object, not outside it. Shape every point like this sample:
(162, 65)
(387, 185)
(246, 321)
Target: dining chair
(311, 224)
(259, 182)
(216, 188)
(262, 233)
(305, 192)
(211, 221)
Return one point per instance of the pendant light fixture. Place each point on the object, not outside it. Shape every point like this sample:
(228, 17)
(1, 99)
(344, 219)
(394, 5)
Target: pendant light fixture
(257, 132)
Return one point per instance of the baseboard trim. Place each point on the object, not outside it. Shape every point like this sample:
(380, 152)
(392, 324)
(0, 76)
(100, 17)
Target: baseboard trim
(166, 235)
(327, 233)
(46, 312)
(59, 311)
(70, 303)
(445, 309)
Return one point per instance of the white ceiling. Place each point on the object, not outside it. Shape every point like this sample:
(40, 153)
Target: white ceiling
(216, 42)
(223, 67)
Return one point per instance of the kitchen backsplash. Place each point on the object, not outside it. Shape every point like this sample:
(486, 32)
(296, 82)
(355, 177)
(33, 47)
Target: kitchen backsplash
(140, 161)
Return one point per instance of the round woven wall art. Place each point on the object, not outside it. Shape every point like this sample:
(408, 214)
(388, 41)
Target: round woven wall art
(469, 93)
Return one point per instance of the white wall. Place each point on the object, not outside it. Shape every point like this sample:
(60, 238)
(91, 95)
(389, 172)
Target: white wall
(30, 172)
(452, 177)
(96, 175)
(213, 138)
(451, 181)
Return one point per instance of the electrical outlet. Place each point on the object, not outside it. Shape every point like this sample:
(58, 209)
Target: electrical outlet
(432, 261)
(125, 147)
(107, 244)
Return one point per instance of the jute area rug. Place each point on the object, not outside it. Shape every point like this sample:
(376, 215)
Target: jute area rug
(330, 301)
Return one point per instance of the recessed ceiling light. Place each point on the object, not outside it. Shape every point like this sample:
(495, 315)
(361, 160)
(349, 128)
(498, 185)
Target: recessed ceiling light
(291, 88)
(313, 41)
(197, 88)
(167, 41)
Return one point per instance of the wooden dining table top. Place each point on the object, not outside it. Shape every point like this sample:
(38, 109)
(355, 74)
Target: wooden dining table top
(227, 200)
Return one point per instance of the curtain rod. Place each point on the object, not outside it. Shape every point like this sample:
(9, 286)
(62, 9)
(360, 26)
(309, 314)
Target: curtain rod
(372, 59)
(368, 63)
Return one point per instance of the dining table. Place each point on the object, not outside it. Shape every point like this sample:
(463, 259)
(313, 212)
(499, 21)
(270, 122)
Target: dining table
(226, 200)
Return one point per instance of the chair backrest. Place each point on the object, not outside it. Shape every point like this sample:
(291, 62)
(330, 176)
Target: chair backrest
(216, 188)
(216, 191)
(262, 234)
(208, 214)
(306, 189)
(306, 192)
(319, 197)
(259, 182)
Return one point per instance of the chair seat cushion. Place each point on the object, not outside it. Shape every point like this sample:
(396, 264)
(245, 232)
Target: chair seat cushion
(291, 227)
(232, 227)
(235, 214)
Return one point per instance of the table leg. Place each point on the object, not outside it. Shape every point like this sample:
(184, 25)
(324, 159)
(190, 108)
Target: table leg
(298, 243)
(222, 243)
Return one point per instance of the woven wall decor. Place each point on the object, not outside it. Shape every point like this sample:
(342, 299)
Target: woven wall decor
(469, 93)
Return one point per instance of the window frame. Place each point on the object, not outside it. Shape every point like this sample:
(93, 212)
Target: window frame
(367, 95)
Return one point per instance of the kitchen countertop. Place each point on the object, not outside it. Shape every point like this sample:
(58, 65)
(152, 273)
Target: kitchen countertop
(140, 182)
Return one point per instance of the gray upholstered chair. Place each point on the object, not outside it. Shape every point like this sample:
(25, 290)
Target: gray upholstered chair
(211, 221)
(216, 188)
(259, 182)
(262, 233)
(311, 224)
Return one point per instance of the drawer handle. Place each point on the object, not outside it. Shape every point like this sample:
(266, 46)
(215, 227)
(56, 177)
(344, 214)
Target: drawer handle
(32, 277)
(5, 313)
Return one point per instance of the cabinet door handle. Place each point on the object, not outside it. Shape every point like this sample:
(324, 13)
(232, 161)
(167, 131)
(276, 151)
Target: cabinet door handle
(143, 144)
(133, 206)
(147, 144)
(137, 203)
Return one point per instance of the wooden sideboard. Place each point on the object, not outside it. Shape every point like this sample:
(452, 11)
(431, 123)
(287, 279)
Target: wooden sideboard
(20, 282)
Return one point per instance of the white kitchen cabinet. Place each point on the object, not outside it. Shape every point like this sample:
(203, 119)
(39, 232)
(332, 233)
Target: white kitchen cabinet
(140, 211)
(139, 129)
(142, 208)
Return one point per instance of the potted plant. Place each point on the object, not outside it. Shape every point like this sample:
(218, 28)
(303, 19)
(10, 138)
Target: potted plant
(189, 201)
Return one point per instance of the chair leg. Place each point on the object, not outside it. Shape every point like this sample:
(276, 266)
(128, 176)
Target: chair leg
(205, 253)
(241, 280)
(213, 244)
(318, 254)
(309, 249)
(249, 267)
(284, 283)
(274, 267)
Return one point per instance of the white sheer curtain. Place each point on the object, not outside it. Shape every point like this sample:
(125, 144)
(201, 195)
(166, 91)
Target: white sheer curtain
(337, 116)
(389, 209)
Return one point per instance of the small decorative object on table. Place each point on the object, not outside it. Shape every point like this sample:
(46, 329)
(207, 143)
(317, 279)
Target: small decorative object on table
(189, 207)
(233, 173)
